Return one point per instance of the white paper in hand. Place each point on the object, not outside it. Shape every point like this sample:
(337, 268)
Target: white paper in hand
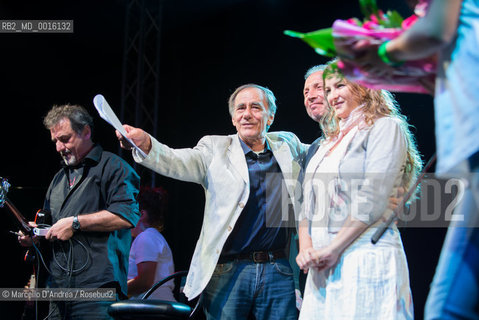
(109, 116)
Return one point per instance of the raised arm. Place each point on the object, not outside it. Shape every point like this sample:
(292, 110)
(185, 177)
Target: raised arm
(138, 136)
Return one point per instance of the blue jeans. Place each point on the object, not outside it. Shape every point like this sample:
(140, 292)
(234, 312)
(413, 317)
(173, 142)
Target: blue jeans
(454, 291)
(244, 290)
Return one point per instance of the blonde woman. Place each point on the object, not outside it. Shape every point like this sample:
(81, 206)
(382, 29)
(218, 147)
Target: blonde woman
(367, 152)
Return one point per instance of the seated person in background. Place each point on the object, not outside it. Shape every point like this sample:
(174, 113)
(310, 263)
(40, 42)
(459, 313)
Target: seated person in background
(150, 256)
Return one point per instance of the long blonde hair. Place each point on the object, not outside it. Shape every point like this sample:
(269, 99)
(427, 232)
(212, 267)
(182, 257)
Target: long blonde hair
(376, 104)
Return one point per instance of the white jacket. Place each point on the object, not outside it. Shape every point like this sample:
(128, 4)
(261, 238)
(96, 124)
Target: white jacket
(218, 163)
(374, 162)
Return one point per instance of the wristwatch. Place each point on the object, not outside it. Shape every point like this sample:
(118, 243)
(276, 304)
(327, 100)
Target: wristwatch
(75, 224)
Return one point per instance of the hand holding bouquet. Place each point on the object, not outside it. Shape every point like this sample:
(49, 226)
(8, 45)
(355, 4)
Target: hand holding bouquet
(360, 47)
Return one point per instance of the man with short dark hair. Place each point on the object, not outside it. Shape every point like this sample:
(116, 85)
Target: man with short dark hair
(92, 200)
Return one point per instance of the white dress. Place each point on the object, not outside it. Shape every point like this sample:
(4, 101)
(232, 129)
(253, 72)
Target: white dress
(369, 281)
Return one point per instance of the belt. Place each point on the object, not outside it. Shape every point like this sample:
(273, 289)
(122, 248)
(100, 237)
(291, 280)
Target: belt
(256, 256)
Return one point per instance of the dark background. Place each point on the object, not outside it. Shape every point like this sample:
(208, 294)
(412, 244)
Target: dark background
(208, 49)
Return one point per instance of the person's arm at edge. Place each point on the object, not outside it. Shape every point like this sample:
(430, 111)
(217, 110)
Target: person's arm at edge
(429, 34)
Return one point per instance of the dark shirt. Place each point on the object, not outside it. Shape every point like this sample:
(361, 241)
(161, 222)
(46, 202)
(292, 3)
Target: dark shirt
(102, 181)
(259, 226)
(311, 152)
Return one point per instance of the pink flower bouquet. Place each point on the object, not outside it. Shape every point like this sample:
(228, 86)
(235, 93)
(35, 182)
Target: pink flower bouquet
(379, 27)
